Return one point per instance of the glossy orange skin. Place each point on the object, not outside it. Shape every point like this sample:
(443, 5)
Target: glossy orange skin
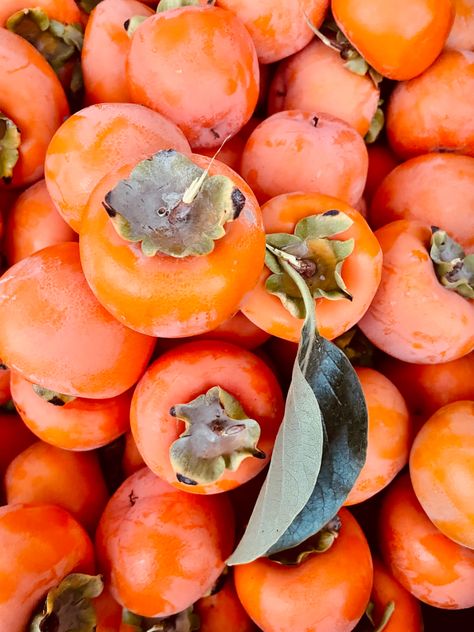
(389, 436)
(105, 50)
(99, 139)
(206, 290)
(223, 611)
(34, 223)
(413, 317)
(82, 424)
(434, 112)
(45, 475)
(407, 614)
(5, 395)
(287, 153)
(184, 373)
(161, 548)
(327, 592)
(442, 470)
(41, 545)
(381, 162)
(278, 28)
(55, 333)
(436, 189)
(461, 36)
(316, 80)
(65, 11)
(23, 73)
(208, 83)
(432, 567)
(14, 438)
(361, 270)
(132, 460)
(386, 34)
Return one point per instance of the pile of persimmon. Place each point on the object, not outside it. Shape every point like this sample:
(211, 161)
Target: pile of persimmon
(236, 315)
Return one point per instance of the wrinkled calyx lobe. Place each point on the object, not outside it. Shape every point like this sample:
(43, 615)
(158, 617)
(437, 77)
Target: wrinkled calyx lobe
(320, 542)
(186, 621)
(9, 142)
(454, 269)
(218, 436)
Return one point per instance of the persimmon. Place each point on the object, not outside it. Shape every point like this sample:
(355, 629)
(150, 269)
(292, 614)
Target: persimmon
(214, 427)
(196, 65)
(416, 316)
(222, 610)
(132, 460)
(327, 592)
(461, 36)
(55, 333)
(434, 189)
(389, 435)
(162, 549)
(106, 48)
(442, 470)
(432, 567)
(308, 152)
(381, 162)
(230, 154)
(65, 11)
(41, 545)
(14, 438)
(387, 33)
(34, 223)
(108, 612)
(316, 80)
(97, 140)
(276, 312)
(78, 424)
(434, 112)
(26, 124)
(45, 475)
(209, 277)
(279, 28)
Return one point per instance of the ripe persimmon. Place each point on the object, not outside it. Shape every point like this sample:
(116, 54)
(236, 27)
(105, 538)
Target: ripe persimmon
(222, 610)
(109, 613)
(461, 36)
(381, 162)
(176, 424)
(230, 154)
(14, 438)
(160, 548)
(5, 395)
(308, 152)
(132, 460)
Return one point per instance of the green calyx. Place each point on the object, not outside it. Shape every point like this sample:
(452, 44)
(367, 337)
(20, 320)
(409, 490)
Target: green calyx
(57, 42)
(168, 5)
(10, 139)
(384, 621)
(376, 125)
(68, 607)
(186, 621)
(52, 397)
(318, 543)
(454, 269)
(172, 206)
(132, 24)
(218, 437)
(314, 255)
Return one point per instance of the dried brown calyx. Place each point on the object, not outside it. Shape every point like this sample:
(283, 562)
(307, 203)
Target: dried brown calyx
(186, 621)
(173, 207)
(454, 269)
(52, 397)
(218, 436)
(9, 143)
(318, 543)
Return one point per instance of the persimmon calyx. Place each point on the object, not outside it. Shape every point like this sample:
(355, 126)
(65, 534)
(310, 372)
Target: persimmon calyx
(314, 255)
(52, 397)
(10, 140)
(172, 206)
(57, 42)
(168, 5)
(357, 348)
(69, 605)
(186, 621)
(454, 269)
(218, 436)
(318, 543)
(132, 24)
(384, 621)
(88, 5)
(376, 125)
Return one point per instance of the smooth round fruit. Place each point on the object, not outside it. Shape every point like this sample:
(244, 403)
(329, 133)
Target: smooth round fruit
(223, 611)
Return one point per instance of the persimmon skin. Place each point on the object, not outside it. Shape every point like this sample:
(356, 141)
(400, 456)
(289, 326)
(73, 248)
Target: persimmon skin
(23, 73)
(65, 11)
(381, 162)
(34, 223)
(99, 139)
(45, 475)
(327, 592)
(436, 189)
(186, 372)
(223, 611)
(316, 80)
(434, 112)
(150, 543)
(206, 290)
(108, 612)
(14, 438)
(432, 567)
(41, 545)
(387, 33)
(461, 36)
(82, 424)
(413, 317)
(230, 154)
(442, 470)
(305, 151)
(132, 460)
(57, 335)
(106, 48)
(389, 436)
(361, 270)
(278, 28)
(208, 83)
